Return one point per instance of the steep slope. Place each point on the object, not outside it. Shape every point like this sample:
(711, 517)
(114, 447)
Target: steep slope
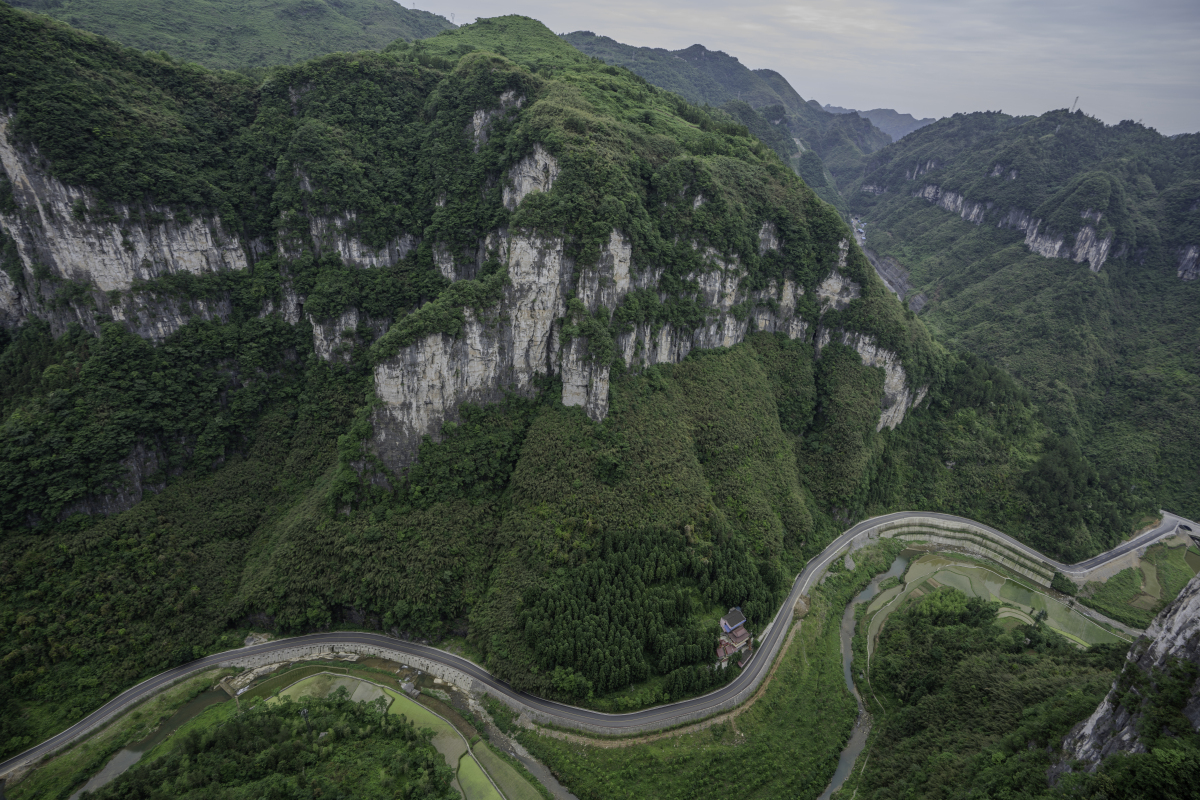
(1146, 731)
(460, 337)
(224, 34)
(888, 120)
(1063, 249)
(715, 78)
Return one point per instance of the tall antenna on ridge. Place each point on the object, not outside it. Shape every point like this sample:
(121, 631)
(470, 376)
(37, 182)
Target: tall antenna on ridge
(1074, 104)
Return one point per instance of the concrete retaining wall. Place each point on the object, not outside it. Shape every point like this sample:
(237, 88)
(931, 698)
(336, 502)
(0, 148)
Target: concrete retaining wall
(970, 538)
(448, 674)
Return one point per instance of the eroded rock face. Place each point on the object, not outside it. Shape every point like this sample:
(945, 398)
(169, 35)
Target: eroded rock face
(425, 383)
(1189, 263)
(509, 345)
(57, 227)
(64, 228)
(1089, 246)
(1112, 727)
(898, 395)
(334, 339)
(333, 233)
(482, 120)
(955, 203)
(836, 291)
(535, 172)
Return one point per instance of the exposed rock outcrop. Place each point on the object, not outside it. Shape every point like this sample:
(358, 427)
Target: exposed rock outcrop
(1089, 245)
(535, 172)
(482, 120)
(427, 381)
(79, 238)
(333, 339)
(1113, 727)
(1189, 262)
(955, 203)
(76, 237)
(898, 395)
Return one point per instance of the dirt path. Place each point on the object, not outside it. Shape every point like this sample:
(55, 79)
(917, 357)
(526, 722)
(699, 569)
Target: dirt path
(730, 716)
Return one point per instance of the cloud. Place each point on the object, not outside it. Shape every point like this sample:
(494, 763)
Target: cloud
(1126, 60)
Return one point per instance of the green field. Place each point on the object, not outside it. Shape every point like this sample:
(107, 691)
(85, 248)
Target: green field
(1135, 595)
(474, 782)
(512, 783)
(989, 582)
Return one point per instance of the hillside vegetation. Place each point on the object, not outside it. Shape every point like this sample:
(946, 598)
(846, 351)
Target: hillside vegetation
(243, 34)
(710, 482)
(1111, 357)
(825, 148)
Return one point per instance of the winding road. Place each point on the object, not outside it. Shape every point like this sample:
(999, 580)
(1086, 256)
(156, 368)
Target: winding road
(661, 716)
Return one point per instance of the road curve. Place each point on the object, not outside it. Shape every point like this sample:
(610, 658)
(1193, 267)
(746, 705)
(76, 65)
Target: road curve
(662, 716)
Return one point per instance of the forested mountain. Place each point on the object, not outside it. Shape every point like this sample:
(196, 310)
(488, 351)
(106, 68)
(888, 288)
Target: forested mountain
(240, 34)
(828, 147)
(888, 120)
(475, 336)
(1065, 251)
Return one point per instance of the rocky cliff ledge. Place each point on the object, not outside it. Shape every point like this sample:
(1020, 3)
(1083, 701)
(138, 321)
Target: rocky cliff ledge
(506, 347)
(1173, 638)
(1088, 245)
(65, 234)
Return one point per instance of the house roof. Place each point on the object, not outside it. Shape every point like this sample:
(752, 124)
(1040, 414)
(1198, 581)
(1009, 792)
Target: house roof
(734, 618)
(725, 650)
(738, 636)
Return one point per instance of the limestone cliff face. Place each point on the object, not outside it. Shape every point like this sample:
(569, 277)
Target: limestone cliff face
(69, 232)
(508, 346)
(898, 395)
(1189, 262)
(955, 203)
(1174, 634)
(1088, 246)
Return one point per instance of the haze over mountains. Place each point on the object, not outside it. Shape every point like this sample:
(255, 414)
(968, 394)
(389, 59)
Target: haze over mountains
(888, 120)
(556, 349)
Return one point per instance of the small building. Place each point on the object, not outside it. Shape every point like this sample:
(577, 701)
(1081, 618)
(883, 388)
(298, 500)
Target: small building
(733, 620)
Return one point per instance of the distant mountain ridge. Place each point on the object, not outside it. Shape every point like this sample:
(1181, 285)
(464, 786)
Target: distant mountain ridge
(239, 34)
(888, 120)
(828, 147)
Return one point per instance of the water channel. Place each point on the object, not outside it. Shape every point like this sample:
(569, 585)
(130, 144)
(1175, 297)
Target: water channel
(862, 725)
(126, 758)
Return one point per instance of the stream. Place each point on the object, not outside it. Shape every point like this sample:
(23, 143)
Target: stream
(862, 725)
(126, 758)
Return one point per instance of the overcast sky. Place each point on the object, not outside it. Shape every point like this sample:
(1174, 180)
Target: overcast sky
(929, 58)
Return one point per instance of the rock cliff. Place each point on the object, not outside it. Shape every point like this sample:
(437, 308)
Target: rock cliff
(66, 235)
(1173, 637)
(507, 347)
(1088, 246)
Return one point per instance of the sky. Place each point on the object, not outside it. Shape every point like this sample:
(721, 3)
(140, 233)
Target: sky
(929, 58)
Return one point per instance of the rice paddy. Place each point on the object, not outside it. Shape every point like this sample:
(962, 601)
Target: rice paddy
(1135, 595)
(1021, 603)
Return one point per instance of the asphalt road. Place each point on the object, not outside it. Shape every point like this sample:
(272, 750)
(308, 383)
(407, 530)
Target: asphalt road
(662, 716)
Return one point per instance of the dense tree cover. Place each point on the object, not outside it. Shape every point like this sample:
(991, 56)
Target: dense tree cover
(618, 618)
(785, 744)
(262, 508)
(714, 78)
(1109, 358)
(963, 706)
(338, 749)
(244, 35)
